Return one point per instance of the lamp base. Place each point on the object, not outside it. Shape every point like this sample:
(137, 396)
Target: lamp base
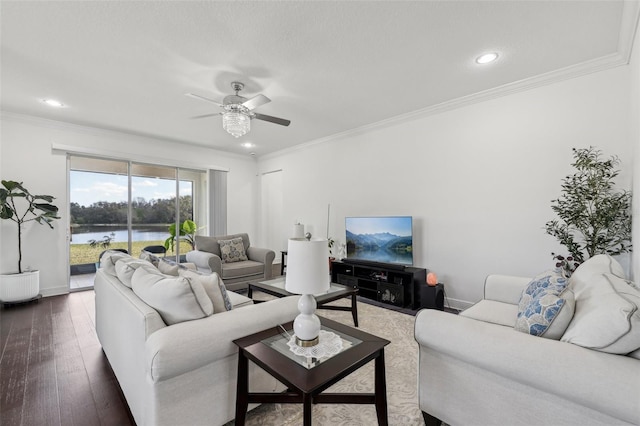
(306, 326)
(307, 343)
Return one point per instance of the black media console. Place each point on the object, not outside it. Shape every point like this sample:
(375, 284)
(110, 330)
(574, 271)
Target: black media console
(388, 283)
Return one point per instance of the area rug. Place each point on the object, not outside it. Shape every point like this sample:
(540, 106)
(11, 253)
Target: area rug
(401, 357)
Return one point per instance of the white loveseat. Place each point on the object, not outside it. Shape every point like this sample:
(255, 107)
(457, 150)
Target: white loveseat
(476, 369)
(184, 373)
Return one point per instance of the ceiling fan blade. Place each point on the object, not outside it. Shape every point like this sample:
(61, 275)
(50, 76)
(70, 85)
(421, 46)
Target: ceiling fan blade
(206, 115)
(276, 120)
(202, 98)
(255, 102)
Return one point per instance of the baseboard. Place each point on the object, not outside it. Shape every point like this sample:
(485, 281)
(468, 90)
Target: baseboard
(55, 291)
(457, 304)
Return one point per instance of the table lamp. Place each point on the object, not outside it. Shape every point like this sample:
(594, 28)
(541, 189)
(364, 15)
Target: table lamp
(307, 274)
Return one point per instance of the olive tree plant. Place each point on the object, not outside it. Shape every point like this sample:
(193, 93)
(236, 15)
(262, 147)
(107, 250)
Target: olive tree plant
(593, 216)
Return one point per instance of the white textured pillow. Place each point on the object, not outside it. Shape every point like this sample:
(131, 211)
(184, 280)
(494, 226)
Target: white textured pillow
(214, 287)
(109, 258)
(607, 316)
(127, 266)
(596, 265)
(176, 299)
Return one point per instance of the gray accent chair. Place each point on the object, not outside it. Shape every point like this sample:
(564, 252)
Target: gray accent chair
(236, 275)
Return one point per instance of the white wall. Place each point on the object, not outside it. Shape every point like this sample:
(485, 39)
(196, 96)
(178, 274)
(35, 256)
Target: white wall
(634, 121)
(26, 155)
(477, 180)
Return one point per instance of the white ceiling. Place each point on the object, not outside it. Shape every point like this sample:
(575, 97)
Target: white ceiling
(328, 66)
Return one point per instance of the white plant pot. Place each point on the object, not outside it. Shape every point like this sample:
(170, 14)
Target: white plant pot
(19, 287)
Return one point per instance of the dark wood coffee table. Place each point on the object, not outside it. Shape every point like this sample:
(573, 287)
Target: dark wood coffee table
(275, 287)
(307, 378)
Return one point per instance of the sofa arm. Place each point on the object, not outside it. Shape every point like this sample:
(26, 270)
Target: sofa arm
(558, 368)
(505, 288)
(265, 256)
(189, 345)
(205, 261)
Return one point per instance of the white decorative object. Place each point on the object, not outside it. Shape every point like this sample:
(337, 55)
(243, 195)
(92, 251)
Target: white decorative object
(329, 344)
(19, 287)
(298, 231)
(307, 274)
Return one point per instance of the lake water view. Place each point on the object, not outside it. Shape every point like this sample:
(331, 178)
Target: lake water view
(82, 234)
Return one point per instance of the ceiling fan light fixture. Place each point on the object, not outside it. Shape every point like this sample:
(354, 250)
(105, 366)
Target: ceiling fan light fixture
(236, 123)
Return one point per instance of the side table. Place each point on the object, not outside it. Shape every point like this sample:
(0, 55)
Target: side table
(307, 378)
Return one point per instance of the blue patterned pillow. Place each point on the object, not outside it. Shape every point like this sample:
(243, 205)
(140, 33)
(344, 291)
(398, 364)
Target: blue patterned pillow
(546, 306)
(232, 250)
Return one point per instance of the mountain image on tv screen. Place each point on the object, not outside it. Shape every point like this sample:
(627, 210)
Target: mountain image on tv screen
(386, 239)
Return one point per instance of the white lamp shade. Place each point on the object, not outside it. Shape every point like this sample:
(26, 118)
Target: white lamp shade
(307, 266)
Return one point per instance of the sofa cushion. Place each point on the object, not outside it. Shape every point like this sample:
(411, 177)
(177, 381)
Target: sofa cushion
(127, 266)
(242, 269)
(607, 317)
(109, 258)
(493, 312)
(546, 306)
(238, 300)
(213, 286)
(232, 250)
(176, 299)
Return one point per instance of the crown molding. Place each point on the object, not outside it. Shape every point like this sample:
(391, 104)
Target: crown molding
(628, 27)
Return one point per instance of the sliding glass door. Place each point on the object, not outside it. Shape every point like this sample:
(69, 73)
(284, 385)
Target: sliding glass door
(127, 206)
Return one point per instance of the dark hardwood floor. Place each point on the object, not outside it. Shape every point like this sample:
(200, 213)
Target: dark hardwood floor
(52, 368)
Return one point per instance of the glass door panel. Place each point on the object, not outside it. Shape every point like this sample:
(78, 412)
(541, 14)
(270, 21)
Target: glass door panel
(98, 196)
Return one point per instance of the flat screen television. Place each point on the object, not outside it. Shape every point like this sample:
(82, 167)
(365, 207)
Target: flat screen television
(386, 239)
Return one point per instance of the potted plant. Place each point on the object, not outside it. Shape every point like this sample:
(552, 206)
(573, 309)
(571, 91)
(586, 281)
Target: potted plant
(18, 205)
(593, 217)
(187, 233)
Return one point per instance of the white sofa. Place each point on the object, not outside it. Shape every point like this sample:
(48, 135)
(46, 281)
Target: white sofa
(184, 373)
(476, 369)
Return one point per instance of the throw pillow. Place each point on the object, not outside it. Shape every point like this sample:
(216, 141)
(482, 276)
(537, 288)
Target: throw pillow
(176, 299)
(150, 257)
(546, 306)
(168, 267)
(126, 267)
(214, 287)
(232, 250)
(607, 315)
(109, 258)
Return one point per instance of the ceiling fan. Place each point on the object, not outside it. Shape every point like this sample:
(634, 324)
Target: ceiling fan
(238, 111)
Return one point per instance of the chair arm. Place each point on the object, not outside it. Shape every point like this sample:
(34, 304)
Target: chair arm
(551, 366)
(205, 260)
(262, 255)
(190, 345)
(505, 288)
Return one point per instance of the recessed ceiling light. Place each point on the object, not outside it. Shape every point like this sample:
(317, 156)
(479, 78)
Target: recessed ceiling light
(53, 103)
(486, 58)
(248, 145)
